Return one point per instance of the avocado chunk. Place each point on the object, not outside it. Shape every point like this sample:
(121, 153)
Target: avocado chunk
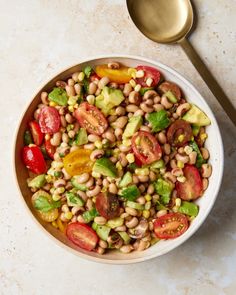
(74, 200)
(115, 222)
(59, 96)
(105, 167)
(108, 99)
(79, 186)
(135, 205)
(81, 137)
(133, 125)
(126, 179)
(188, 208)
(37, 182)
(90, 215)
(196, 116)
(125, 237)
(103, 231)
(171, 97)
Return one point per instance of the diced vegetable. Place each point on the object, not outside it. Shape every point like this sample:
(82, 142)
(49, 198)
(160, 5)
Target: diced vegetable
(125, 237)
(195, 129)
(158, 164)
(145, 89)
(105, 167)
(126, 179)
(74, 200)
(164, 189)
(135, 205)
(43, 204)
(81, 137)
(79, 186)
(89, 215)
(115, 222)
(38, 181)
(188, 208)
(130, 193)
(158, 120)
(196, 116)
(59, 96)
(103, 231)
(169, 94)
(133, 125)
(87, 71)
(200, 159)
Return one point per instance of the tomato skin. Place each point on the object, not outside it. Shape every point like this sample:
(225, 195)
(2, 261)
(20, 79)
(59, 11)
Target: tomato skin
(120, 75)
(50, 149)
(177, 128)
(49, 120)
(170, 86)
(78, 162)
(192, 188)
(154, 152)
(170, 222)
(36, 132)
(107, 205)
(34, 160)
(82, 235)
(149, 72)
(91, 118)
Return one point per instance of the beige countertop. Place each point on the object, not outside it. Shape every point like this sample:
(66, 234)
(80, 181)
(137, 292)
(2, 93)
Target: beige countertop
(38, 39)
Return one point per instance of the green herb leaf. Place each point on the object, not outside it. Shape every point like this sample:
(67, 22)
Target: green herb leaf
(74, 200)
(145, 89)
(85, 85)
(200, 159)
(59, 96)
(44, 205)
(164, 189)
(158, 120)
(87, 71)
(130, 193)
(90, 215)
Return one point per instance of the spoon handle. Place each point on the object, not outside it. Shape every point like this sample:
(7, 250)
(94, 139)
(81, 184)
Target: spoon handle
(209, 79)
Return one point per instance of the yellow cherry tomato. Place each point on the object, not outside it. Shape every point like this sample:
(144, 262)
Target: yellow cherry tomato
(78, 162)
(50, 215)
(120, 75)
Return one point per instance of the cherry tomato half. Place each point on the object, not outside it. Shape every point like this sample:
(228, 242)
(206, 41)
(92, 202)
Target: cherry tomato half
(192, 188)
(49, 120)
(82, 235)
(91, 118)
(145, 147)
(170, 226)
(78, 162)
(179, 133)
(107, 205)
(36, 132)
(172, 87)
(50, 149)
(120, 75)
(149, 72)
(34, 160)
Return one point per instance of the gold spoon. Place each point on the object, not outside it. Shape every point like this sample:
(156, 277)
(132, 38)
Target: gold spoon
(169, 21)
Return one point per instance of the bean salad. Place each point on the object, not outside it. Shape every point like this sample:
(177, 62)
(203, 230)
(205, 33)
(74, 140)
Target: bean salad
(116, 158)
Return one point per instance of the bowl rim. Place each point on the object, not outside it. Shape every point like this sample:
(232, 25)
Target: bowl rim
(217, 186)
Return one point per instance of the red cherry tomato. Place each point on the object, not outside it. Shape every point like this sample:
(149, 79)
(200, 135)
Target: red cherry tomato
(192, 188)
(91, 118)
(149, 72)
(107, 205)
(82, 235)
(179, 133)
(172, 87)
(34, 160)
(49, 120)
(145, 147)
(36, 132)
(94, 77)
(50, 149)
(170, 226)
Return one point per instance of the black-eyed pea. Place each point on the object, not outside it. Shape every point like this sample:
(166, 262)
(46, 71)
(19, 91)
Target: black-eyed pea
(192, 157)
(205, 153)
(206, 170)
(205, 183)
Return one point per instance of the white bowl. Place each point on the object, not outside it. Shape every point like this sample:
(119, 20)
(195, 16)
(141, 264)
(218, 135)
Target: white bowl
(213, 143)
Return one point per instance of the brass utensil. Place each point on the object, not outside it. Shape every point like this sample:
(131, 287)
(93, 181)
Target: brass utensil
(169, 21)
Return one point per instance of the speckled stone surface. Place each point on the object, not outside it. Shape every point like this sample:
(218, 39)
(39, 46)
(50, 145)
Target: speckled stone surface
(38, 39)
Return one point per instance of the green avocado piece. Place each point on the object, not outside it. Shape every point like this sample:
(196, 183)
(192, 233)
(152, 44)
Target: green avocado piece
(126, 179)
(196, 116)
(115, 222)
(79, 186)
(171, 97)
(105, 167)
(188, 208)
(125, 237)
(74, 200)
(133, 125)
(108, 99)
(103, 232)
(59, 96)
(89, 215)
(81, 137)
(38, 181)
(135, 205)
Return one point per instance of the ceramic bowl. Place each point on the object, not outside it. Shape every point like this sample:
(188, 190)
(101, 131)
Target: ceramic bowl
(213, 143)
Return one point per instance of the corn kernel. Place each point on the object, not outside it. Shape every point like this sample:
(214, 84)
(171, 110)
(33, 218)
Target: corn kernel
(98, 144)
(132, 72)
(175, 209)
(76, 106)
(181, 178)
(139, 74)
(130, 158)
(49, 178)
(148, 205)
(148, 198)
(132, 83)
(203, 136)
(71, 109)
(180, 164)
(146, 214)
(96, 174)
(56, 197)
(137, 87)
(54, 224)
(126, 142)
(81, 76)
(68, 215)
(52, 104)
(56, 165)
(72, 100)
(94, 199)
(47, 136)
(177, 202)
(149, 82)
(181, 137)
(60, 190)
(188, 149)
(52, 190)
(142, 171)
(119, 166)
(90, 99)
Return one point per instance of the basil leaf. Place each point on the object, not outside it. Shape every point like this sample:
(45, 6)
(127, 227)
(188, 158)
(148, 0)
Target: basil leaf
(44, 205)
(87, 71)
(164, 189)
(158, 120)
